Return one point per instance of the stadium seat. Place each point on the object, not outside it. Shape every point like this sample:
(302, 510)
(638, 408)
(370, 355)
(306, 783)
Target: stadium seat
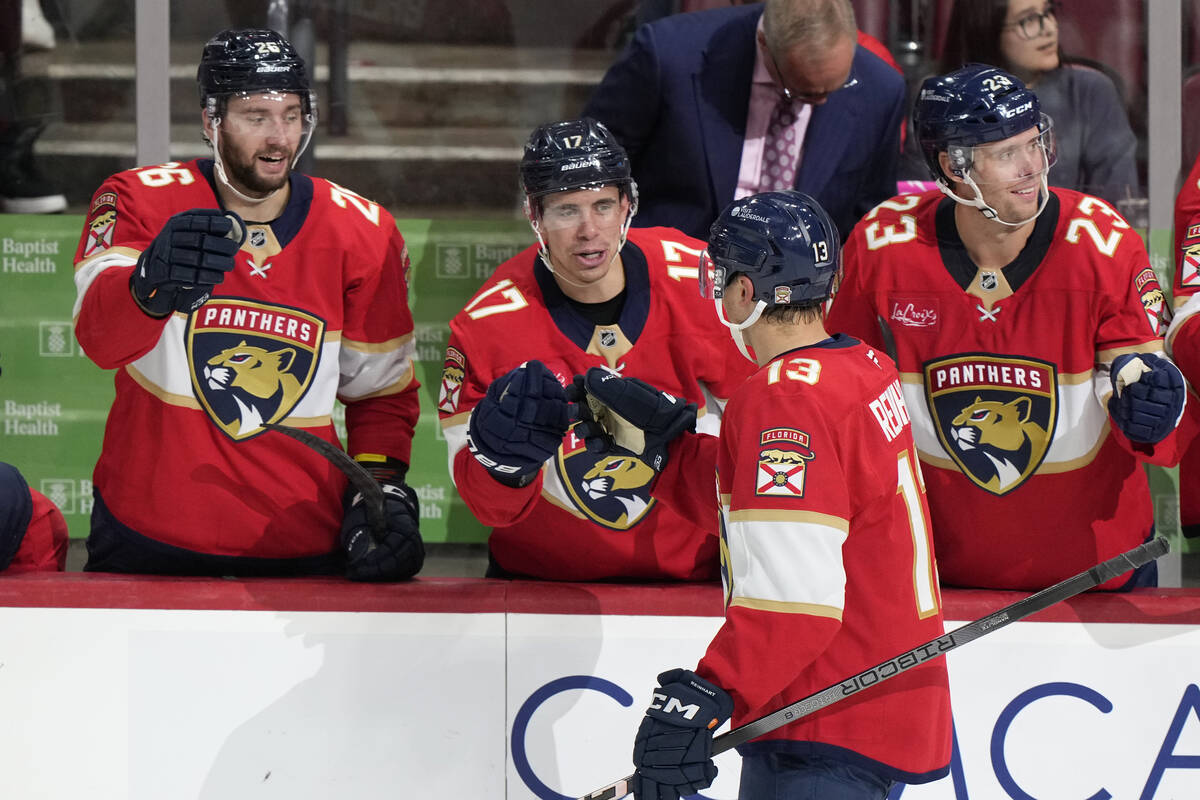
(1115, 38)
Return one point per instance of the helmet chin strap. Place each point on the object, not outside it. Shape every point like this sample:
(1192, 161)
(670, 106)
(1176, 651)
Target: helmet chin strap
(735, 329)
(988, 211)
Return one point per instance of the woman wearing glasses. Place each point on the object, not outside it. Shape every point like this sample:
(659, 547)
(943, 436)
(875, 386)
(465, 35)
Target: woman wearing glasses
(1096, 146)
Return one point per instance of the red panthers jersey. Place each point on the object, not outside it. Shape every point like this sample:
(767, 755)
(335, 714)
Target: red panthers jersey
(828, 557)
(315, 310)
(1006, 374)
(1183, 337)
(589, 518)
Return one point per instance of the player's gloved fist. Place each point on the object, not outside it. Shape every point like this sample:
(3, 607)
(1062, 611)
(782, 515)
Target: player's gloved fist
(188, 257)
(393, 555)
(519, 424)
(632, 415)
(672, 753)
(1148, 396)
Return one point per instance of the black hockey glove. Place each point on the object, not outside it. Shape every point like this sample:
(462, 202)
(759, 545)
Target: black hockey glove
(188, 257)
(672, 753)
(397, 554)
(630, 414)
(519, 424)
(1148, 396)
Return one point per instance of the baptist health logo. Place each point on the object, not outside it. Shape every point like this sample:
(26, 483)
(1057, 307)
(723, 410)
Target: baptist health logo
(472, 260)
(31, 419)
(70, 495)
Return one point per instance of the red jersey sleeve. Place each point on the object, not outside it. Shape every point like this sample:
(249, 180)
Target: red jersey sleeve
(378, 378)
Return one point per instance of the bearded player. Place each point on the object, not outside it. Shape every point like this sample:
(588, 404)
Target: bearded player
(231, 293)
(592, 292)
(1026, 323)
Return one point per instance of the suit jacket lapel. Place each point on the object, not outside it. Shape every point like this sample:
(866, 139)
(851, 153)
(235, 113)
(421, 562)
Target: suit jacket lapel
(722, 87)
(830, 130)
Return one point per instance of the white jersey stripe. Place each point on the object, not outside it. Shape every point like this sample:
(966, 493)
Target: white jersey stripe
(789, 564)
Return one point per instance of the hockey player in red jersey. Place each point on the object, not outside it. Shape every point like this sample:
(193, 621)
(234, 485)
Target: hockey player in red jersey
(216, 326)
(591, 292)
(1183, 336)
(826, 545)
(1026, 323)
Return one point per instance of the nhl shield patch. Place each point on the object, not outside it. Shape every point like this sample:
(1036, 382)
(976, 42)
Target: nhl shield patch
(612, 490)
(995, 415)
(783, 457)
(251, 362)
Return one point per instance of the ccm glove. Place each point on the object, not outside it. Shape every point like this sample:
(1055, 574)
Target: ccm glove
(398, 553)
(672, 753)
(1148, 396)
(632, 415)
(188, 257)
(519, 424)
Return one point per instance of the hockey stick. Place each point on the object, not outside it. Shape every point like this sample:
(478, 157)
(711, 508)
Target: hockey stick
(936, 648)
(359, 478)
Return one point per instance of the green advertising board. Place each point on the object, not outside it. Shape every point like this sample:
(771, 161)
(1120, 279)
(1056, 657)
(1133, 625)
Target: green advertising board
(54, 400)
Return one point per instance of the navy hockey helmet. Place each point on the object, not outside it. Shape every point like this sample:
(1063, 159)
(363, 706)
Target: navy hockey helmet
(783, 241)
(574, 154)
(251, 61)
(974, 105)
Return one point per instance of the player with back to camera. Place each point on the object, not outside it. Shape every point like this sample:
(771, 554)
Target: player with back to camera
(590, 292)
(826, 546)
(229, 293)
(1026, 322)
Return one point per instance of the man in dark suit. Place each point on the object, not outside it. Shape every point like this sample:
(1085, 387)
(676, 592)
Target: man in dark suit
(690, 97)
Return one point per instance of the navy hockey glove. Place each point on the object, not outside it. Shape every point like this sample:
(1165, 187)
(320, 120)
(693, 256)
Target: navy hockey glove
(632, 415)
(519, 424)
(1148, 396)
(672, 753)
(188, 257)
(399, 553)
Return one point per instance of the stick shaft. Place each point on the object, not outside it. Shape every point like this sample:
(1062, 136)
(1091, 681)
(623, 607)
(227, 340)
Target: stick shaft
(362, 481)
(935, 648)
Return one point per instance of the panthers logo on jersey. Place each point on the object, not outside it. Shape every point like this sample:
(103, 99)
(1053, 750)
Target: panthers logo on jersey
(612, 490)
(995, 415)
(251, 362)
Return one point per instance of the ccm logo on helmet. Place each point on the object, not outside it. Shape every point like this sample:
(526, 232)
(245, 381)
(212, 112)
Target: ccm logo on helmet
(1018, 110)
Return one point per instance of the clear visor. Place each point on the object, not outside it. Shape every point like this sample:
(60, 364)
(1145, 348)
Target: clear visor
(600, 208)
(1026, 155)
(268, 114)
(712, 277)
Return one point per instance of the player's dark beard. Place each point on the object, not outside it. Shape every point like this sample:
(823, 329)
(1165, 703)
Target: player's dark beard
(243, 172)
